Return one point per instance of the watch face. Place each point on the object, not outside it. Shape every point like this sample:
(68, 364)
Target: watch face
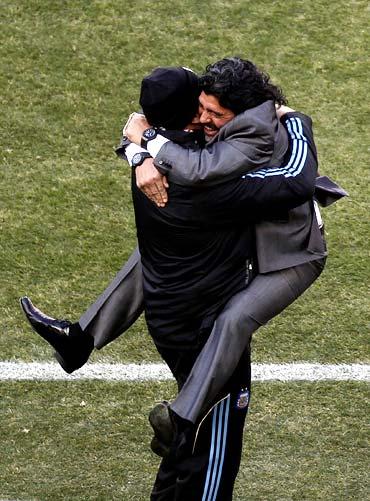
(136, 159)
(150, 133)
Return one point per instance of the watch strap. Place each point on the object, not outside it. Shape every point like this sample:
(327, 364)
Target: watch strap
(147, 136)
(138, 158)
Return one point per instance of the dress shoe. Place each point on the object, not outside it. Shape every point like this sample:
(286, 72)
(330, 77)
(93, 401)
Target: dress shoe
(163, 427)
(159, 448)
(72, 346)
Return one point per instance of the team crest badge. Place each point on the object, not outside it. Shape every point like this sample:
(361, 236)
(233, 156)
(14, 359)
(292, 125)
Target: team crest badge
(243, 399)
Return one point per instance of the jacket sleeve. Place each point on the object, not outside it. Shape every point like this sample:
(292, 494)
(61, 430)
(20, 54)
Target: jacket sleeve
(121, 148)
(271, 192)
(247, 142)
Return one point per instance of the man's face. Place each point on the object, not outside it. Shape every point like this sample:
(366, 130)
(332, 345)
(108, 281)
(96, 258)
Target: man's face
(212, 115)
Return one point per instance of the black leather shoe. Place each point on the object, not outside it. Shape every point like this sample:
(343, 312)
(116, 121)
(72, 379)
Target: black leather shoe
(163, 427)
(72, 349)
(159, 448)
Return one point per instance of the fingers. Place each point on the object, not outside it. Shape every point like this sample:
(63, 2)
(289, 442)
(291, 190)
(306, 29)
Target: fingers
(152, 183)
(157, 194)
(282, 110)
(134, 127)
(127, 124)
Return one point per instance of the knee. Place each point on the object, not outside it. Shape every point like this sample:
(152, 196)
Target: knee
(235, 323)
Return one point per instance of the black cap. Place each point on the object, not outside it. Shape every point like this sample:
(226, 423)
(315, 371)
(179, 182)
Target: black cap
(169, 97)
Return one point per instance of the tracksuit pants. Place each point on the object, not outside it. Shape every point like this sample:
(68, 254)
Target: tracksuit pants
(205, 457)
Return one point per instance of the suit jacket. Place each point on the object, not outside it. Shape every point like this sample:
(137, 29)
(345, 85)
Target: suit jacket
(253, 139)
(284, 242)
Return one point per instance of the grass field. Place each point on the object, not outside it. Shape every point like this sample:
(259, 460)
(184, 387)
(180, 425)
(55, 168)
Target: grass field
(70, 71)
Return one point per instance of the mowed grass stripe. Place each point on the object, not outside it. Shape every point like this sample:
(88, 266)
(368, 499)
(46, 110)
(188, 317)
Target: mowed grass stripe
(160, 372)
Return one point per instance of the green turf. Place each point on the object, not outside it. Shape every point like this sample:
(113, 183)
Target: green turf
(89, 441)
(70, 71)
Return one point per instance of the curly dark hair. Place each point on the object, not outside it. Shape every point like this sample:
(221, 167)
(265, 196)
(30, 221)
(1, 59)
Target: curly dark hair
(239, 84)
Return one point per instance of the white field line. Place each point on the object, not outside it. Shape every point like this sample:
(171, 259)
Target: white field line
(10, 371)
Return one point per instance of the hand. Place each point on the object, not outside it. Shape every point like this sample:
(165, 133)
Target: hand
(281, 110)
(134, 128)
(151, 182)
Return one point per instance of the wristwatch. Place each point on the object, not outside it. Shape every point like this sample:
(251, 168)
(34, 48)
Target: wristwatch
(148, 135)
(139, 158)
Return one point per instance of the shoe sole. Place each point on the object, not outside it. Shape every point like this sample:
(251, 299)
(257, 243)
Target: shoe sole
(63, 363)
(160, 421)
(158, 448)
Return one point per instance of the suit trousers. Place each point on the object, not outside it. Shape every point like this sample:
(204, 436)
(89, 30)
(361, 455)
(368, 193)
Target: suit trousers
(118, 307)
(267, 295)
(264, 298)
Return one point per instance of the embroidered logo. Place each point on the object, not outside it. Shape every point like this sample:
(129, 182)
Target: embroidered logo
(242, 400)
